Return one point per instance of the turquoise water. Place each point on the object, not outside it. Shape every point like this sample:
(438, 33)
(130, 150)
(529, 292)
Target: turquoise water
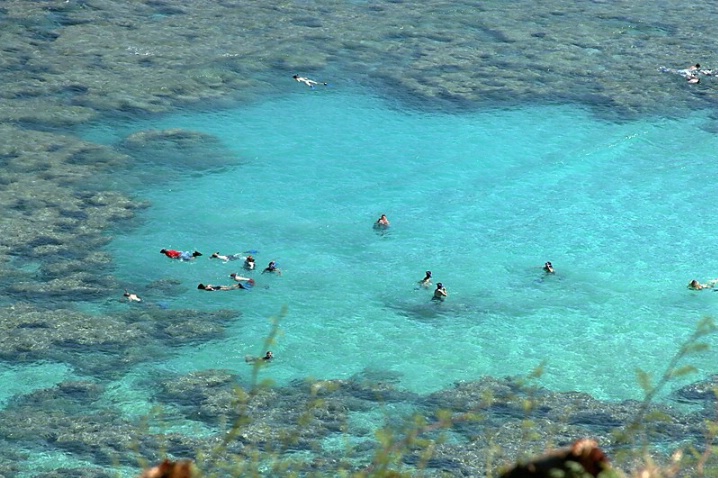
(624, 211)
(494, 136)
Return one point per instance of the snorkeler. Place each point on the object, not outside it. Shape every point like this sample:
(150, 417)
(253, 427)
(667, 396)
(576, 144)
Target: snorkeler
(426, 281)
(224, 258)
(440, 292)
(239, 278)
(548, 268)
(212, 288)
(131, 297)
(691, 73)
(181, 255)
(272, 269)
(251, 359)
(695, 285)
(307, 81)
(249, 263)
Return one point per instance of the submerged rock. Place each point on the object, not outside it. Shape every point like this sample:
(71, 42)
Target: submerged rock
(182, 150)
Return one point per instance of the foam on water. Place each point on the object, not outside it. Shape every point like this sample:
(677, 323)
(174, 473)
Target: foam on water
(624, 211)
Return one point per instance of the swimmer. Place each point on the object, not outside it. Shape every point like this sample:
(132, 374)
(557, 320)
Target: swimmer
(548, 268)
(212, 288)
(307, 81)
(131, 297)
(249, 263)
(426, 281)
(181, 255)
(267, 357)
(382, 222)
(272, 269)
(695, 285)
(233, 257)
(440, 292)
(239, 278)
(690, 74)
(695, 69)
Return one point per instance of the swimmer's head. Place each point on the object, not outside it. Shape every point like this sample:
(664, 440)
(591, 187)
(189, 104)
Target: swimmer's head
(214, 255)
(233, 275)
(428, 273)
(196, 254)
(163, 251)
(201, 286)
(439, 285)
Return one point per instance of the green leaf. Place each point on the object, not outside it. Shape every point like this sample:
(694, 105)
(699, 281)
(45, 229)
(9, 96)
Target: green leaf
(683, 371)
(644, 380)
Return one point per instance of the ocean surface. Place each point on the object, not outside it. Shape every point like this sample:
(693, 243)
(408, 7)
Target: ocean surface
(482, 194)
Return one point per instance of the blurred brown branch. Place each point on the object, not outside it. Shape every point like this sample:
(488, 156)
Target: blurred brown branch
(584, 453)
(170, 469)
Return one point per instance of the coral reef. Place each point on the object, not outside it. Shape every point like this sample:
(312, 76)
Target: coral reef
(64, 64)
(73, 417)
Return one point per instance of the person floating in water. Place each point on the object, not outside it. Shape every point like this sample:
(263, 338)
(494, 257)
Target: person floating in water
(212, 288)
(695, 285)
(181, 255)
(440, 292)
(307, 81)
(272, 269)
(224, 258)
(131, 297)
(267, 357)
(691, 73)
(382, 222)
(241, 279)
(249, 263)
(548, 268)
(426, 281)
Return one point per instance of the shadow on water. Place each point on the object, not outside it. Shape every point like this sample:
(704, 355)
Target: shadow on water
(432, 311)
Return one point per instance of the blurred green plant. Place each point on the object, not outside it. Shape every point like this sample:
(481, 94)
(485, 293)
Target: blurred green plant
(418, 436)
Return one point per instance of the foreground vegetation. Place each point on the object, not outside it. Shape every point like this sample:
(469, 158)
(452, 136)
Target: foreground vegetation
(406, 450)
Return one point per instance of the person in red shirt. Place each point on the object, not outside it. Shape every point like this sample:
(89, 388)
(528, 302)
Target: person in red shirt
(181, 255)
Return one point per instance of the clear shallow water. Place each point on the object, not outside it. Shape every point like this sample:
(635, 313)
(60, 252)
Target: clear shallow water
(624, 211)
